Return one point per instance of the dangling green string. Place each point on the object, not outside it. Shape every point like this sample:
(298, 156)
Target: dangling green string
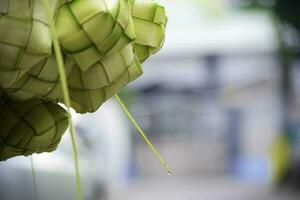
(143, 135)
(63, 82)
(35, 191)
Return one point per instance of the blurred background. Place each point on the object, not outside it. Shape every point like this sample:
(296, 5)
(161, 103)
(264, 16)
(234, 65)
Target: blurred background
(220, 102)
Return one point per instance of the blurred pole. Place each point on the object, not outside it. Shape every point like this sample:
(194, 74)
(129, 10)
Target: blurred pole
(233, 137)
(286, 55)
(212, 65)
(286, 92)
(211, 92)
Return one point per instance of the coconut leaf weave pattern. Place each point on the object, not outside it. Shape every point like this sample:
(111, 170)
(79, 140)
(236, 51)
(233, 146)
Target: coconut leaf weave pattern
(103, 43)
(91, 88)
(150, 22)
(24, 38)
(41, 81)
(28, 127)
(88, 30)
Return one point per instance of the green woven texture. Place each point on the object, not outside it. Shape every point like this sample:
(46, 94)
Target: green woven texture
(91, 88)
(41, 81)
(90, 29)
(103, 44)
(24, 38)
(29, 127)
(150, 22)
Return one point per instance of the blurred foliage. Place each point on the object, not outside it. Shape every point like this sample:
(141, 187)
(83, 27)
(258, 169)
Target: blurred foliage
(286, 18)
(287, 11)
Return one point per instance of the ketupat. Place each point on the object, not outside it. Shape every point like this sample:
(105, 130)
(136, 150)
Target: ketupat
(91, 29)
(90, 88)
(150, 22)
(24, 38)
(103, 43)
(41, 81)
(28, 127)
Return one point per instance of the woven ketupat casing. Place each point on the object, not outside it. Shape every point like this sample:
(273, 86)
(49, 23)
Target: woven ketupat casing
(89, 89)
(150, 22)
(24, 38)
(88, 30)
(29, 127)
(41, 81)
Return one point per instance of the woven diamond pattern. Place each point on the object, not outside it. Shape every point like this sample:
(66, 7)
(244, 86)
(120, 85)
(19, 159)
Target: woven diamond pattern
(41, 81)
(91, 88)
(150, 22)
(88, 30)
(24, 38)
(28, 127)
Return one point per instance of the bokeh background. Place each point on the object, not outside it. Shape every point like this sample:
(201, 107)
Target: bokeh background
(220, 102)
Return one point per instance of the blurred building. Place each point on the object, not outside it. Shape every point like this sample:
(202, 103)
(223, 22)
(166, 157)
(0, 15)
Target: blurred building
(211, 98)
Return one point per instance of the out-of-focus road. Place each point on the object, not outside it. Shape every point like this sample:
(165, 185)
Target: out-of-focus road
(174, 188)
